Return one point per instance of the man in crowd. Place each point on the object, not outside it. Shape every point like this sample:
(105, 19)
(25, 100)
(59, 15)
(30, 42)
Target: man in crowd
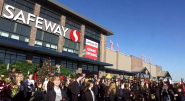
(75, 88)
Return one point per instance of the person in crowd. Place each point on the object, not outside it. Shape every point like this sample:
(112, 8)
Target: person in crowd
(18, 87)
(101, 89)
(75, 88)
(88, 93)
(111, 94)
(179, 94)
(164, 93)
(119, 92)
(49, 84)
(106, 88)
(147, 91)
(95, 90)
(30, 88)
(44, 86)
(56, 93)
(69, 88)
(126, 92)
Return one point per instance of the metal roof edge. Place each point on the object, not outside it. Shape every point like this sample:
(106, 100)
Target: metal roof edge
(109, 32)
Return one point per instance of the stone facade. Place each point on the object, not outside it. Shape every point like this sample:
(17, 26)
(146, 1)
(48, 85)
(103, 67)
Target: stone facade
(101, 71)
(82, 33)
(136, 62)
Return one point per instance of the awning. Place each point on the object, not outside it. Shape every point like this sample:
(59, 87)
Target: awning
(28, 48)
(140, 70)
(122, 71)
(164, 74)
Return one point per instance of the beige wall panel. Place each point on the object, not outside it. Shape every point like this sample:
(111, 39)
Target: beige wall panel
(111, 58)
(147, 65)
(124, 62)
(153, 70)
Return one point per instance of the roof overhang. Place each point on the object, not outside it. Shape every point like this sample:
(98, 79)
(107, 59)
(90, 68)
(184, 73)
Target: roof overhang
(140, 70)
(164, 74)
(123, 71)
(39, 50)
(56, 5)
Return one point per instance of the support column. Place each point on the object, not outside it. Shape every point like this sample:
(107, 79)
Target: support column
(82, 33)
(101, 71)
(33, 29)
(105, 45)
(101, 47)
(117, 59)
(61, 38)
(1, 6)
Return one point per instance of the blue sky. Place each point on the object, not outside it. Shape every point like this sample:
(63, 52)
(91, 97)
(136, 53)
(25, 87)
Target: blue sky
(154, 28)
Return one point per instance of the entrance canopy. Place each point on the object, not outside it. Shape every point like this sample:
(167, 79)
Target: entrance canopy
(142, 72)
(111, 70)
(33, 49)
(164, 74)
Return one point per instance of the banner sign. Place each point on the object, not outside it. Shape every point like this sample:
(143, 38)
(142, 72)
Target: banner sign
(91, 49)
(18, 15)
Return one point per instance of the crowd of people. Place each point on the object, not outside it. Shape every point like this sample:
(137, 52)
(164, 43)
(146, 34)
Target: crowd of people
(87, 89)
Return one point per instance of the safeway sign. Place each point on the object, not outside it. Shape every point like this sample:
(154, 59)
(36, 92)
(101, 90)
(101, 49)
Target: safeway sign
(91, 49)
(18, 15)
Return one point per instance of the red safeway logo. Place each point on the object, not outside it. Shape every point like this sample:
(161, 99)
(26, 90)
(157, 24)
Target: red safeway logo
(75, 35)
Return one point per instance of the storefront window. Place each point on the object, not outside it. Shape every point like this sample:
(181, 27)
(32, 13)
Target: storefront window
(92, 34)
(70, 46)
(46, 40)
(51, 16)
(71, 65)
(13, 31)
(39, 59)
(89, 67)
(72, 25)
(22, 4)
(8, 56)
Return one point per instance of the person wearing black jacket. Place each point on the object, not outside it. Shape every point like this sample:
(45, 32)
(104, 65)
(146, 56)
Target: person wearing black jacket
(126, 93)
(50, 84)
(111, 94)
(56, 93)
(88, 93)
(19, 95)
(75, 88)
(95, 89)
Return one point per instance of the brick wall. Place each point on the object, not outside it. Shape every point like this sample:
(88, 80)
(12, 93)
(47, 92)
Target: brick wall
(136, 62)
(1, 6)
(158, 69)
(82, 33)
(33, 29)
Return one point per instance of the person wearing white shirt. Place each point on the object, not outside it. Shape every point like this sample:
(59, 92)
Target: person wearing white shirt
(56, 93)
(88, 93)
(44, 86)
(30, 88)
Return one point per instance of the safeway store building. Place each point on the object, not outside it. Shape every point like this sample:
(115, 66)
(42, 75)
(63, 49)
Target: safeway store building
(35, 30)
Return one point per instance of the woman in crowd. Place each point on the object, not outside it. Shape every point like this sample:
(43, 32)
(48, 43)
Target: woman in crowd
(106, 88)
(18, 88)
(119, 92)
(88, 93)
(56, 94)
(95, 89)
(49, 84)
(29, 84)
(111, 94)
(126, 92)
